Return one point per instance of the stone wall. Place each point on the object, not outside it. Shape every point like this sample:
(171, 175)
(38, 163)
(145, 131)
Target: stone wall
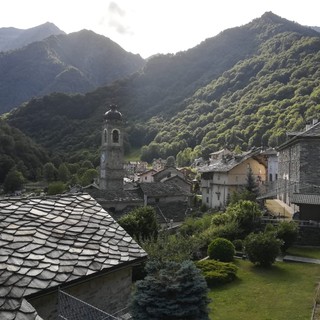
(289, 172)
(109, 292)
(310, 162)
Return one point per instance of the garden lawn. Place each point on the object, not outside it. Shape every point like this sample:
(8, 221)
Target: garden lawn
(284, 291)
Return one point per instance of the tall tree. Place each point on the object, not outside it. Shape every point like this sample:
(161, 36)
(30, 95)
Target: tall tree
(49, 172)
(251, 186)
(63, 173)
(13, 181)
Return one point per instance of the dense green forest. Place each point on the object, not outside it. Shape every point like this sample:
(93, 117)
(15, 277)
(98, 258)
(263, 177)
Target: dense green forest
(253, 104)
(18, 152)
(244, 88)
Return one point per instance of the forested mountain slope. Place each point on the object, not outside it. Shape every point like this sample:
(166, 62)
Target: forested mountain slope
(75, 63)
(244, 87)
(254, 103)
(19, 152)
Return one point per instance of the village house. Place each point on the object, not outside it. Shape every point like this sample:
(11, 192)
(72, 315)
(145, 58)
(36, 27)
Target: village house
(167, 172)
(67, 244)
(227, 173)
(133, 167)
(299, 172)
(146, 177)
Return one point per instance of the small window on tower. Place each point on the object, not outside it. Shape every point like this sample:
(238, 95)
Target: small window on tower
(115, 136)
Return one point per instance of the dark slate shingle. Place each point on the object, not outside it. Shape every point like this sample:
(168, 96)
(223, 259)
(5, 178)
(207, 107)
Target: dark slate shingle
(46, 242)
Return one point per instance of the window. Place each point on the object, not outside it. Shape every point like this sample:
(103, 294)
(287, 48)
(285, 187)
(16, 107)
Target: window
(115, 136)
(270, 177)
(105, 136)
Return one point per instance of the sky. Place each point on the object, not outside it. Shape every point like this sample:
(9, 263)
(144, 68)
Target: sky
(148, 27)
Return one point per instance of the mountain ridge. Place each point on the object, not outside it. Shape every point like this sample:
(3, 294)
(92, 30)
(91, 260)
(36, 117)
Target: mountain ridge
(233, 90)
(13, 38)
(75, 63)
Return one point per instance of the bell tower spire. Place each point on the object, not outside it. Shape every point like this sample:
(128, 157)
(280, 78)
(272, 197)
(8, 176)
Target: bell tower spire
(111, 161)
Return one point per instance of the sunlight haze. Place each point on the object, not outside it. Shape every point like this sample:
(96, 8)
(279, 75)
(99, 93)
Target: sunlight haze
(149, 27)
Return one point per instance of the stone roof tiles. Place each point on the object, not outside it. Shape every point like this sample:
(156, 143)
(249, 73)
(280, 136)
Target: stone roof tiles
(46, 242)
(300, 198)
(229, 162)
(160, 189)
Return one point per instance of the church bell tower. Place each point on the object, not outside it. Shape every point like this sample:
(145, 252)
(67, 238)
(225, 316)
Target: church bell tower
(111, 162)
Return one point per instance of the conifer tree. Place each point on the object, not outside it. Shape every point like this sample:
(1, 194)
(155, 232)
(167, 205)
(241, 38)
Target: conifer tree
(171, 290)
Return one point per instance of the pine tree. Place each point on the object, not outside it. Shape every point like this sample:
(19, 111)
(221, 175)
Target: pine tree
(171, 290)
(251, 186)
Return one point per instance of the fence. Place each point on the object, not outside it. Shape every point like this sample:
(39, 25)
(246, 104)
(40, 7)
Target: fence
(71, 308)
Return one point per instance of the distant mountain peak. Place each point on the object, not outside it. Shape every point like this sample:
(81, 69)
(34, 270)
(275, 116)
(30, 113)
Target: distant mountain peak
(13, 38)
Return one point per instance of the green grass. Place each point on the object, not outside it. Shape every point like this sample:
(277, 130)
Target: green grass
(284, 291)
(308, 252)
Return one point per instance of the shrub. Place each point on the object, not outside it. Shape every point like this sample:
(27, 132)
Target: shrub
(141, 223)
(262, 248)
(193, 226)
(56, 187)
(230, 231)
(238, 244)
(221, 249)
(220, 219)
(288, 233)
(173, 247)
(245, 212)
(216, 272)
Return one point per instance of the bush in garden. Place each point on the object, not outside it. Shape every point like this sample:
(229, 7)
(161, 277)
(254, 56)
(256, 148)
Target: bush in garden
(220, 219)
(238, 244)
(230, 231)
(217, 272)
(245, 212)
(192, 226)
(221, 249)
(262, 248)
(287, 231)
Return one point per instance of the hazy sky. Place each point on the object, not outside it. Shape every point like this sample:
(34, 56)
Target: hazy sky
(148, 27)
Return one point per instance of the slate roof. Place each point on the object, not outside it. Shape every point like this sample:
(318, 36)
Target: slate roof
(301, 198)
(117, 196)
(225, 165)
(312, 133)
(47, 242)
(160, 189)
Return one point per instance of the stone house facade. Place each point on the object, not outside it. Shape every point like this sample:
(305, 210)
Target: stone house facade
(147, 176)
(299, 172)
